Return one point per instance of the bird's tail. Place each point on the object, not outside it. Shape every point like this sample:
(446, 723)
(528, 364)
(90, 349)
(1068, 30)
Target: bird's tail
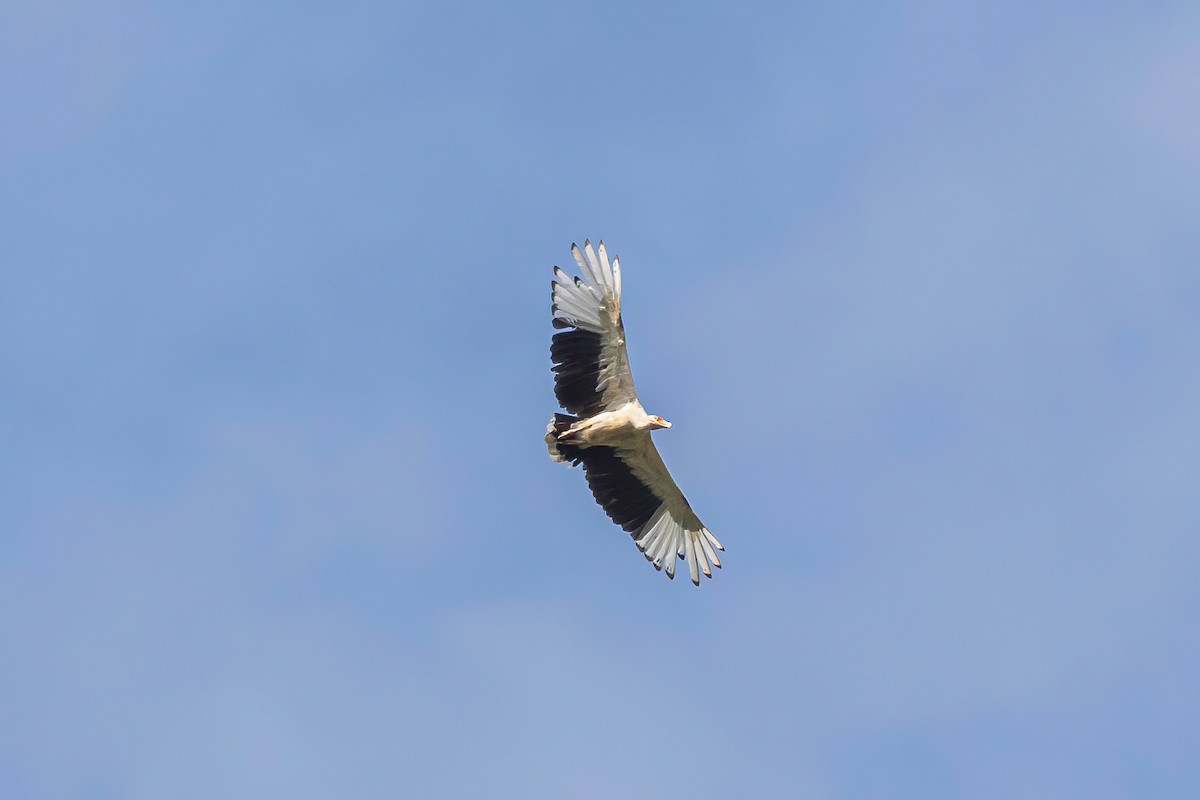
(561, 451)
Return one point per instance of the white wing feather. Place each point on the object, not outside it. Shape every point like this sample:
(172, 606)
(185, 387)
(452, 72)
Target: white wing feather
(674, 530)
(593, 303)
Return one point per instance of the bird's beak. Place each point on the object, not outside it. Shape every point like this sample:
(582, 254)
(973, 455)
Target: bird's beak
(665, 424)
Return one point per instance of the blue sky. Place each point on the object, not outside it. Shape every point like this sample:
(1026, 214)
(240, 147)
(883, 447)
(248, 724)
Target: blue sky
(916, 284)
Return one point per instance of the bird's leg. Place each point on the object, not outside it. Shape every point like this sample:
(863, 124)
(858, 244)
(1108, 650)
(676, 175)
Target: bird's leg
(572, 431)
(576, 431)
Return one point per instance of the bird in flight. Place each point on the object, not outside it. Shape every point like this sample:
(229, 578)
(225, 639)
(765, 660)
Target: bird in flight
(607, 430)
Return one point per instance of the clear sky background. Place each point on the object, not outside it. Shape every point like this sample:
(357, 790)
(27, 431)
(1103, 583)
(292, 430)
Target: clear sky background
(917, 284)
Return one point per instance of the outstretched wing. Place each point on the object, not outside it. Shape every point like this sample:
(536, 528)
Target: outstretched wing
(673, 529)
(637, 492)
(591, 367)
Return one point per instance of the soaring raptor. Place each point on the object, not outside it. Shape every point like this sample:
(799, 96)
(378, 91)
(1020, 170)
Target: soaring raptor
(607, 430)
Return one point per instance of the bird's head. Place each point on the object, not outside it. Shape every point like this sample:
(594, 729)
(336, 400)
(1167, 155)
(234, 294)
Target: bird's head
(658, 422)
